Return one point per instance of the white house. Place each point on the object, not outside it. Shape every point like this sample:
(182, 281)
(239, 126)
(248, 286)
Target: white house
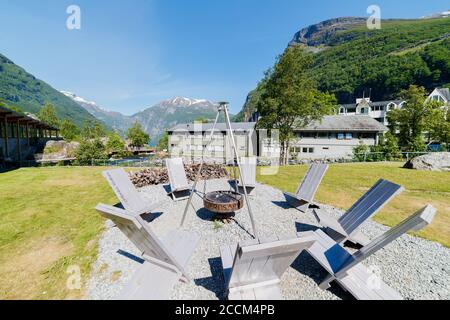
(379, 110)
(332, 138)
(441, 95)
(376, 110)
(190, 141)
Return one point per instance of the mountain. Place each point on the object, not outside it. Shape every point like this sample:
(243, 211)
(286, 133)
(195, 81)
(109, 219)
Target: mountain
(169, 113)
(111, 119)
(21, 89)
(350, 59)
(444, 14)
(156, 119)
(317, 34)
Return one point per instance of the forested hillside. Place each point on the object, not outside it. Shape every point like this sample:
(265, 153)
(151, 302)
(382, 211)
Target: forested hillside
(20, 89)
(355, 60)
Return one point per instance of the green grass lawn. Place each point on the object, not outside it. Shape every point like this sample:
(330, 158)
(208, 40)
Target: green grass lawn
(48, 221)
(345, 183)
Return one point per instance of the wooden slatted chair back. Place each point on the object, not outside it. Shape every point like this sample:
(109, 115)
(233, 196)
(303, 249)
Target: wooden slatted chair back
(249, 171)
(125, 191)
(415, 222)
(310, 183)
(140, 234)
(176, 173)
(369, 204)
(265, 262)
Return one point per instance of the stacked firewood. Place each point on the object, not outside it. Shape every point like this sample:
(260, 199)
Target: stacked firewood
(155, 176)
(149, 177)
(209, 171)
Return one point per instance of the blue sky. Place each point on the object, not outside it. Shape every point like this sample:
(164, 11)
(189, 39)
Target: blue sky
(129, 55)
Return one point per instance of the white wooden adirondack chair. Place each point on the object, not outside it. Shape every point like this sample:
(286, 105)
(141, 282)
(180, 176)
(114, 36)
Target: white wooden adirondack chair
(165, 259)
(304, 196)
(253, 269)
(348, 226)
(348, 270)
(179, 185)
(248, 166)
(126, 192)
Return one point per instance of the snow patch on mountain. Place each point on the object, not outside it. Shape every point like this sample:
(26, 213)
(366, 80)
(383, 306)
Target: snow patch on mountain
(77, 98)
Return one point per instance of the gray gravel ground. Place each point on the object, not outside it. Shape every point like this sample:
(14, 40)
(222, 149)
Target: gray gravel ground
(417, 268)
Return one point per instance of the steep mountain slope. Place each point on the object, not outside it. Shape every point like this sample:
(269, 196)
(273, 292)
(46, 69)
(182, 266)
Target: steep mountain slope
(21, 89)
(114, 120)
(349, 59)
(169, 113)
(156, 119)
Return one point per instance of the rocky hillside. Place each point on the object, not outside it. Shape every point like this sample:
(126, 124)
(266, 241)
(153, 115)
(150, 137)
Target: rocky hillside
(318, 34)
(349, 59)
(21, 89)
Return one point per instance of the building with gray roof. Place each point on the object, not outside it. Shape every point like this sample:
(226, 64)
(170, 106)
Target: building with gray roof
(332, 137)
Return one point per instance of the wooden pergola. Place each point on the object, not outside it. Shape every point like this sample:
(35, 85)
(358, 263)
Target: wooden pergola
(18, 126)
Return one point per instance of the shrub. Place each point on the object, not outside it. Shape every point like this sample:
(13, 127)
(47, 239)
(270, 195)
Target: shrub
(90, 150)
(360, 152)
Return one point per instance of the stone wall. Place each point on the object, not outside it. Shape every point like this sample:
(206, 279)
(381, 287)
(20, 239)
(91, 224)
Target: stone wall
(27, 152)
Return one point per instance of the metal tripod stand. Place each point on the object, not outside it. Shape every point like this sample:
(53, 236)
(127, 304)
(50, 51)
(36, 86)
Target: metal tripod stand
(223, 107)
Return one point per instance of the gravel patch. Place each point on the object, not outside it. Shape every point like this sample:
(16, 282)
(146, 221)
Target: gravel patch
(417, 268)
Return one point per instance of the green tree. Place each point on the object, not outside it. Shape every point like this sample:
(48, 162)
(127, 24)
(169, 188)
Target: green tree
(93, 130)
(439, 125)
(89, 150)
(360, 151)
(137, 136)
(115, 143)
(388, 147)
(69, 131)
(418, 145)
(411, 121)
(291, 99)
(163, 143)
(47, 114)
(16, 109)
(201, 120)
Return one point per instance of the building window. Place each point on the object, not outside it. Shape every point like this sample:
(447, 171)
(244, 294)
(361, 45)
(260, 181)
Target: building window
(367, 136)
(308, 135)
(437, 98)
(323, 135)
(349, 136)
(341, 136)
(307, 150)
